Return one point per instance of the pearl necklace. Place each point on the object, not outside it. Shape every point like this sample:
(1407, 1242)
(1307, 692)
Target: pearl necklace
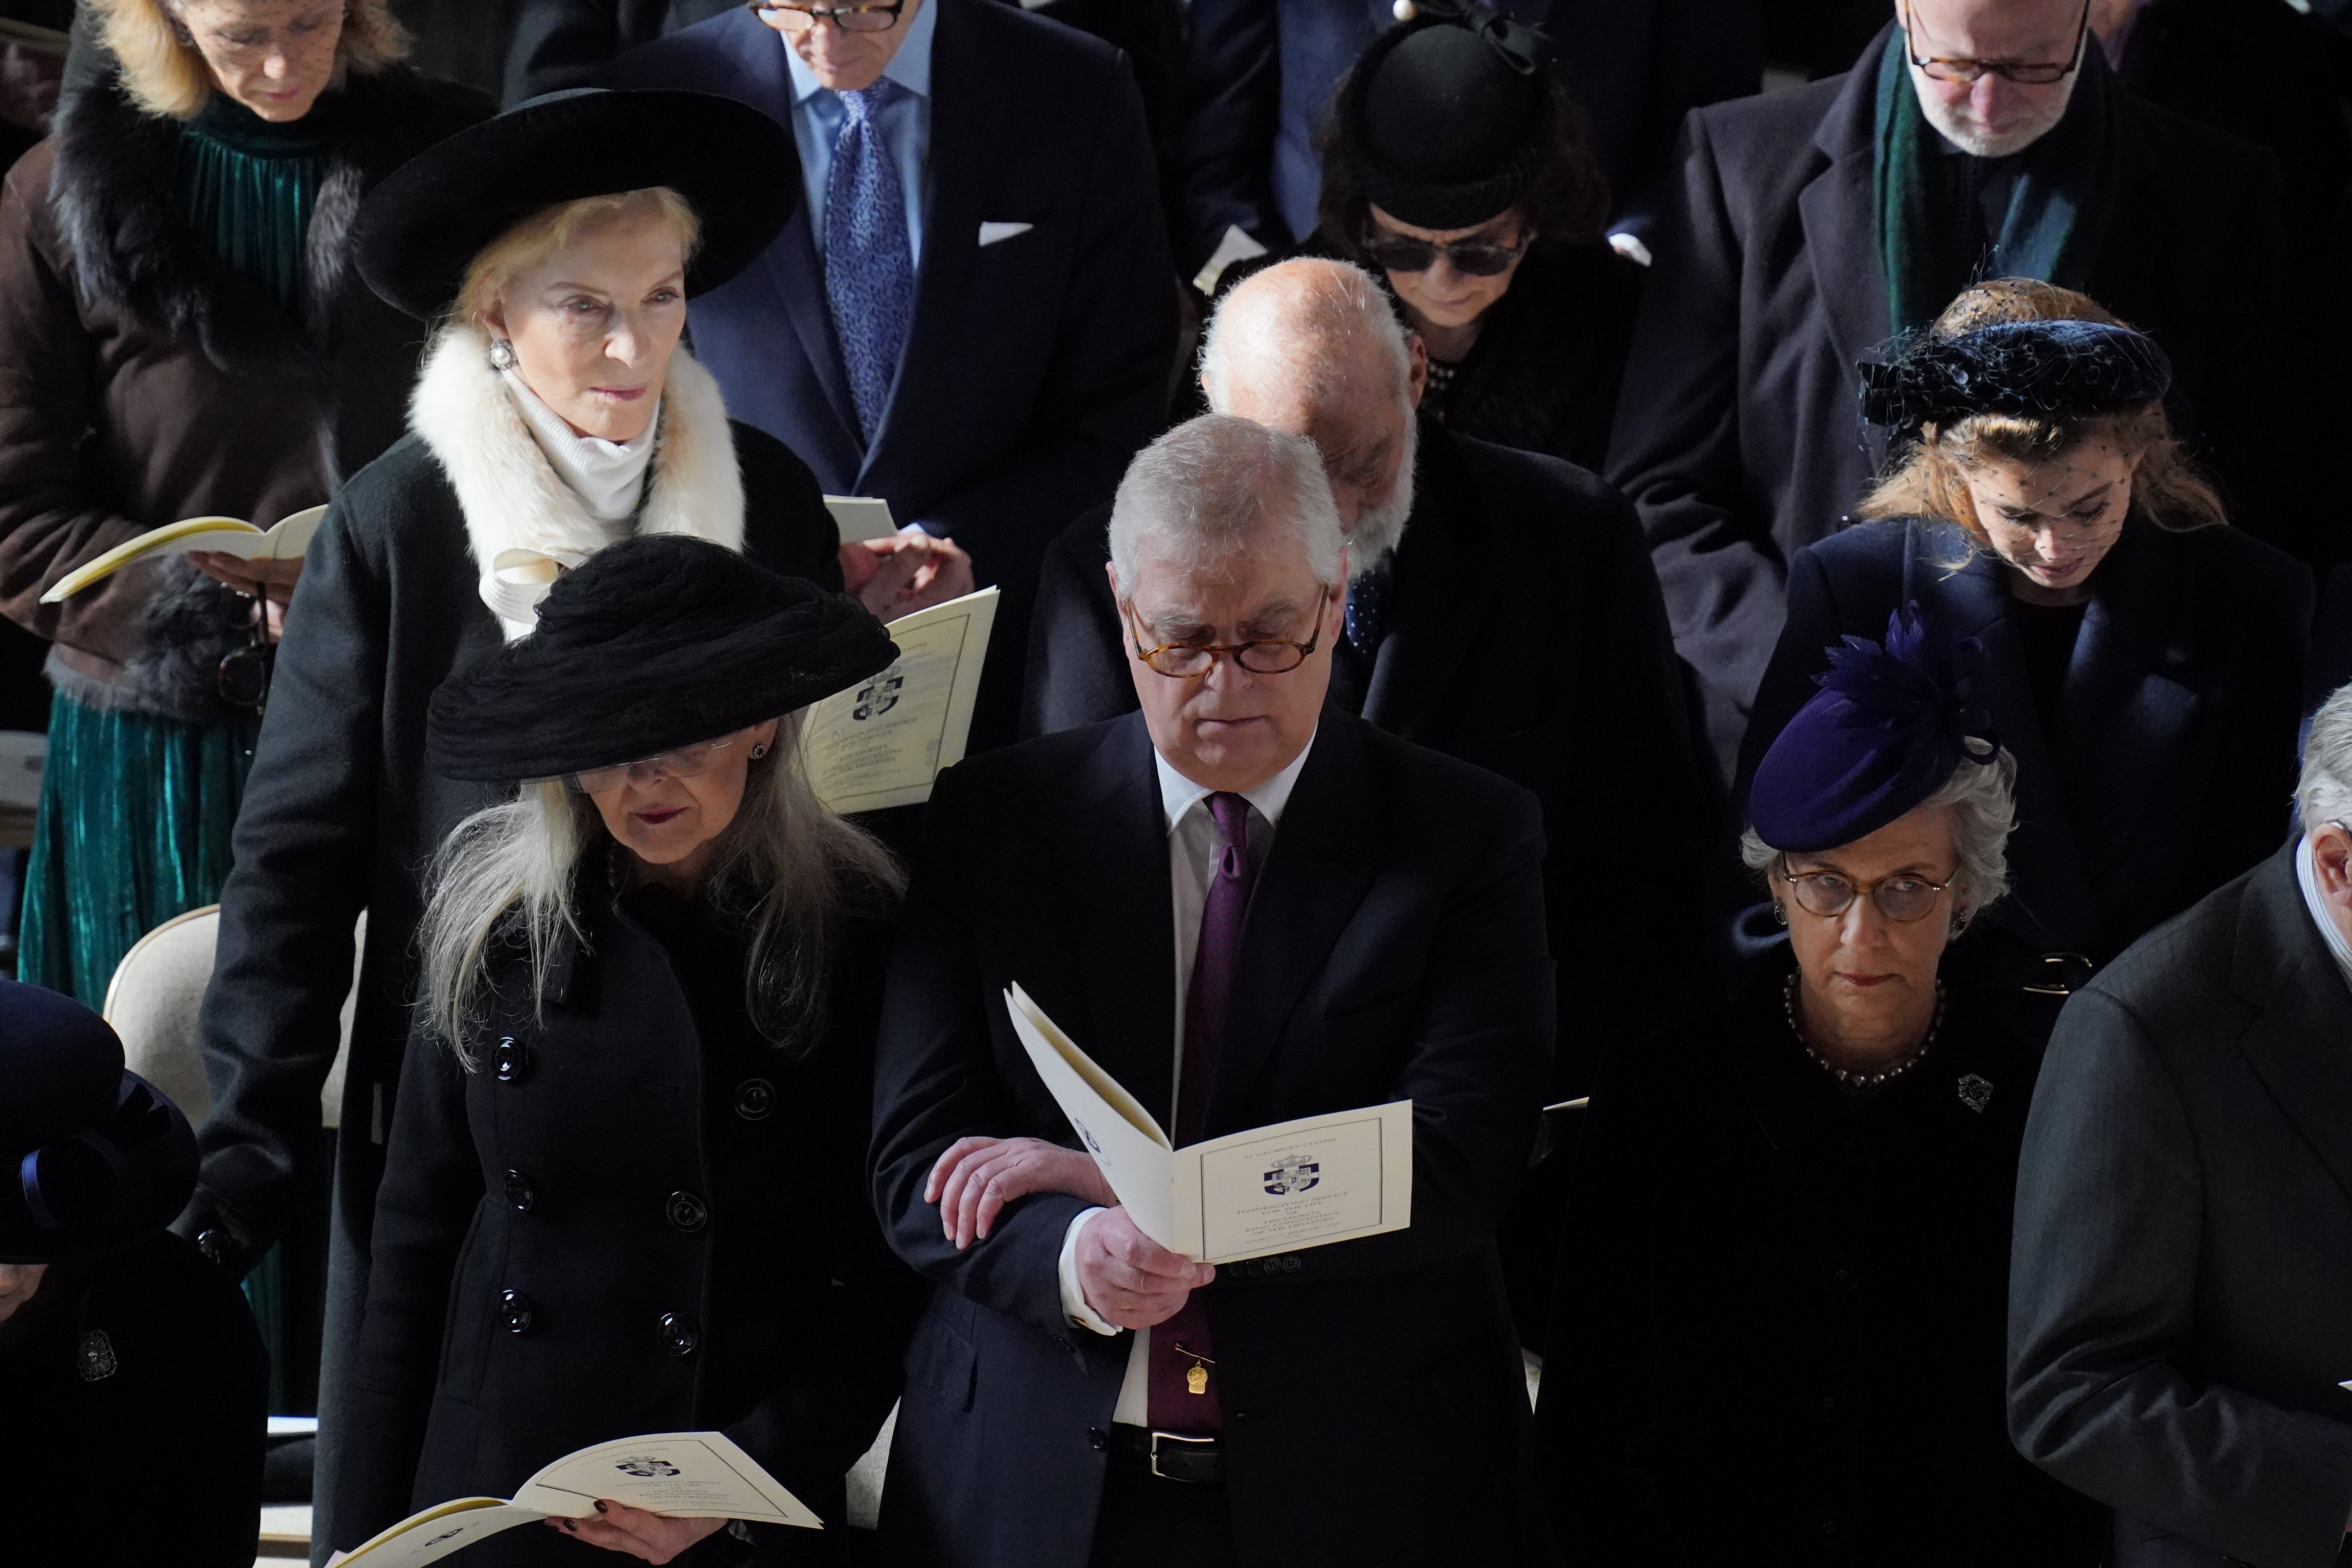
(1859, 1079)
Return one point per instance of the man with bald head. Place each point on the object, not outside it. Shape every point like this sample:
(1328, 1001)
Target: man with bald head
(1501, 610)
(1975, 139)
(1353, 921)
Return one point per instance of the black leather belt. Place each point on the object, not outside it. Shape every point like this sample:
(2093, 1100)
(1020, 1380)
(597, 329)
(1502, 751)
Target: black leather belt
(1196, 1461)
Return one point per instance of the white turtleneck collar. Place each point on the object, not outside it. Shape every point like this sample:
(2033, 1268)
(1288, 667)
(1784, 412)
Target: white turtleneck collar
(2318, 908)
(608, 475)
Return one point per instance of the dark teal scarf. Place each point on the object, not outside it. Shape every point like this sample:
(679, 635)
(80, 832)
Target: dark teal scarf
(2058, 208)
(247, 188)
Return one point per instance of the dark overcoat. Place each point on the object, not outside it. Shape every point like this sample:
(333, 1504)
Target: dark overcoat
(2172, 770)
(134, 1396)
(341, 816)
(1394, 950)
(1781, 1308)
(1738, 434)
(2180, 1294)
(144, 382)
(1565, 685)
(635, 1215)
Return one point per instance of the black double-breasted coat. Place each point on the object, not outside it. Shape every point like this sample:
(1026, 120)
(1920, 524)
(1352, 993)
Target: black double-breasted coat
(635, 1215)
(1780, 1334)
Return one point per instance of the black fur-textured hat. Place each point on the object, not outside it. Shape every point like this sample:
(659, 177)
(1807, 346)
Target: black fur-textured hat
(424, 224)
(1445, 117)
(2052, 370)
(654, 643)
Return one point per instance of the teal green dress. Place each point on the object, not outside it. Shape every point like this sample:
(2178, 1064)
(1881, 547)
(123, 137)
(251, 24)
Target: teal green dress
(137, 809)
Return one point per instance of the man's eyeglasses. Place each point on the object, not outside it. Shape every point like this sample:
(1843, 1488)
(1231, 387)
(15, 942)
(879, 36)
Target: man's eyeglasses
(848, 19)
(1471, 258)
(1267, 655)
(1902, 897)
(2025, 73)
(685, 763)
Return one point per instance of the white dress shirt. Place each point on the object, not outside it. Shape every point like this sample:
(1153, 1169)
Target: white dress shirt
(904, 123)
(2318, 908)
(1193, 849)
(609, 477)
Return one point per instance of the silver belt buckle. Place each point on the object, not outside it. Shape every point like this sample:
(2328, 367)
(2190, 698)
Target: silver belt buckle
(2063, 974)
(1160, 1438)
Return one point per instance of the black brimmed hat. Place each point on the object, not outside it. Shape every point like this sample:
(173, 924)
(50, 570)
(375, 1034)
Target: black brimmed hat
(91, 1157)
(654, 643)
(424, 224)
(1447, 118)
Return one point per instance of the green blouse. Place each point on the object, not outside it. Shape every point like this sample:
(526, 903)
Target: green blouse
(247, 188)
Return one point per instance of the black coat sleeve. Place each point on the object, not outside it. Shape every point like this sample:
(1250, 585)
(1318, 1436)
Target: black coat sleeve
(786, 527)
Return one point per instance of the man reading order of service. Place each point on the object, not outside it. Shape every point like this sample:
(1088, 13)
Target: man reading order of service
(1247, 906)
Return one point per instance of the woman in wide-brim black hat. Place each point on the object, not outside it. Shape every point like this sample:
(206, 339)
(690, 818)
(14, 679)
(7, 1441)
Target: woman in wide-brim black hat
(135, 1386)
(624, 1191)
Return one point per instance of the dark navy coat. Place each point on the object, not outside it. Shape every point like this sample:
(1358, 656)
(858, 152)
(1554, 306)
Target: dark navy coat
(2176, 765)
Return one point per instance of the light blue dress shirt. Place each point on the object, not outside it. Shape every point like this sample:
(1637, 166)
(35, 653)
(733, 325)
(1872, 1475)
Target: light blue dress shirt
(904, 121)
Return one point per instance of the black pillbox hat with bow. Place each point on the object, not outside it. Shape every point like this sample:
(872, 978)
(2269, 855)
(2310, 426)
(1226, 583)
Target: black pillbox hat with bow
(654, 643)
(1447, 117)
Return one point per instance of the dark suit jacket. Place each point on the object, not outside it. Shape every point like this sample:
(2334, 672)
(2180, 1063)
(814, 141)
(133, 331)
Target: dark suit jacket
(1261, 74)
(1738, 434)
(1394, 949)
(1565, 685)
(2181, 1291)
(2175, 766)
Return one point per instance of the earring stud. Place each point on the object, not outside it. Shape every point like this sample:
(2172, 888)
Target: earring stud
(502, 354)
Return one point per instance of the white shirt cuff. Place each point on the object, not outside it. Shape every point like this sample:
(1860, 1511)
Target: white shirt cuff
(1074, 1295)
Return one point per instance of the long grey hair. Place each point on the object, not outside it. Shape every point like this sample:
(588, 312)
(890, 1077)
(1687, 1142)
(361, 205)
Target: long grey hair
(508, 877)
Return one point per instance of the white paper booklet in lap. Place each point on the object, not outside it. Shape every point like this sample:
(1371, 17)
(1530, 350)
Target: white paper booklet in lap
(882, 741)
(685, 1475)
(1294, 1184)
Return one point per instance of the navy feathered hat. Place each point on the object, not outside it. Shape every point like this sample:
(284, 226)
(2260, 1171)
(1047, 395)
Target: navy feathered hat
(2054, 370)
(1888, 727)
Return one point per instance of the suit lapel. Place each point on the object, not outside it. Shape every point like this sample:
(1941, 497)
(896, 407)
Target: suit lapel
(1434, 582)
(796, 273)
(1324, 860)
(2296, 1046)
(1839, 212)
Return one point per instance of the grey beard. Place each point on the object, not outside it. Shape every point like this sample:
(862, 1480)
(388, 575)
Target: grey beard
(1976, 145)
(1379, 529)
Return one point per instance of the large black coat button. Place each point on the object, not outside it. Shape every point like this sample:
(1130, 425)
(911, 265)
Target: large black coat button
(678, 1334)
(755, 1099)
(511, 1061)
(515, 1311)
(518, 1192)
(687, 1212)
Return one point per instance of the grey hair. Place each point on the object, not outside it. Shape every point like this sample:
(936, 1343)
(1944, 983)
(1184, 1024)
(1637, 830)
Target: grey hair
(1983, 801)
(1212, 488)
(508, 877)
(2324, 794)
(1303, 321)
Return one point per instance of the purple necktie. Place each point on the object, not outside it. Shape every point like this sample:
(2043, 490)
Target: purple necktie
(1181, 1347)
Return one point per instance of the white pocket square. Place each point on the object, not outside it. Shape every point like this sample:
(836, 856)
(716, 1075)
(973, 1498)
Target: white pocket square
(990, 233)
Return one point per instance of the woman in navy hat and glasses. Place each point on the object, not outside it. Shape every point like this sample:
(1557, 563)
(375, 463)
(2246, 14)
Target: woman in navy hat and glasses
(133, 1388)
(1784, 1284)
(624, 1189)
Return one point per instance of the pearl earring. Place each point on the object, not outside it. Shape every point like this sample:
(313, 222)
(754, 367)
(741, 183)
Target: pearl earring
(502, 354)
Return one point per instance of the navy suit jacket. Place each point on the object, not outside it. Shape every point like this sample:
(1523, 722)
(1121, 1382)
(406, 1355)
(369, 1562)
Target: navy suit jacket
(1394, 949)
(2175, 766)
(1035, 367)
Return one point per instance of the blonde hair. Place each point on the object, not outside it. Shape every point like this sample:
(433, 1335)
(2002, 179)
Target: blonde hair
(166, 74)
(1930, 478)
(533, 240)
(506, 879)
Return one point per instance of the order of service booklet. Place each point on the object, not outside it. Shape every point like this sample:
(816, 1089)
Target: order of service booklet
(1294, 1184)
(685, 1475)
(283, 540)
(858, 517)
(883, 741)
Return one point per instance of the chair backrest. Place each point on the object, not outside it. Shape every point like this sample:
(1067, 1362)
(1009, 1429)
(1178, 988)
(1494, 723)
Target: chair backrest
(154, 999)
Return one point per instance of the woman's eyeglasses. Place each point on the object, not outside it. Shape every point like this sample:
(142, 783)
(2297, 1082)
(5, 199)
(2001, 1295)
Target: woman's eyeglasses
(1471, 258)
(685, 763)
(848, 19)
(1267, 655)
(1902, 897)
(2025, 73)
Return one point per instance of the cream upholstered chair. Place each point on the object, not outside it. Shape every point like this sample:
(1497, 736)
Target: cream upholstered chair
(152, 1001)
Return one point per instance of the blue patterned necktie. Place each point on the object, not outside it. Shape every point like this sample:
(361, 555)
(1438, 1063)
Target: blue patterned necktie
(869, 266)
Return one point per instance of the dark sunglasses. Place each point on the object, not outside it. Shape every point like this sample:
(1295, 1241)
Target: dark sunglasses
(1471, 258)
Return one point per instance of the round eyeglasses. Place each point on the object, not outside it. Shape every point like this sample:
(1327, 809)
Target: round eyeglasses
(2024, 73)
(795, 18)
(685, 762)
(1903, 898)
(1267, 655)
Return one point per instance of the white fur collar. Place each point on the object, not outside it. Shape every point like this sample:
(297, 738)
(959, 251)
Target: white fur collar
(523, 522)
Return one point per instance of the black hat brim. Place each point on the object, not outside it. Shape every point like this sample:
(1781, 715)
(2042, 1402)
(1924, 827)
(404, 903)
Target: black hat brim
(422, 227)
(159, 1154)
